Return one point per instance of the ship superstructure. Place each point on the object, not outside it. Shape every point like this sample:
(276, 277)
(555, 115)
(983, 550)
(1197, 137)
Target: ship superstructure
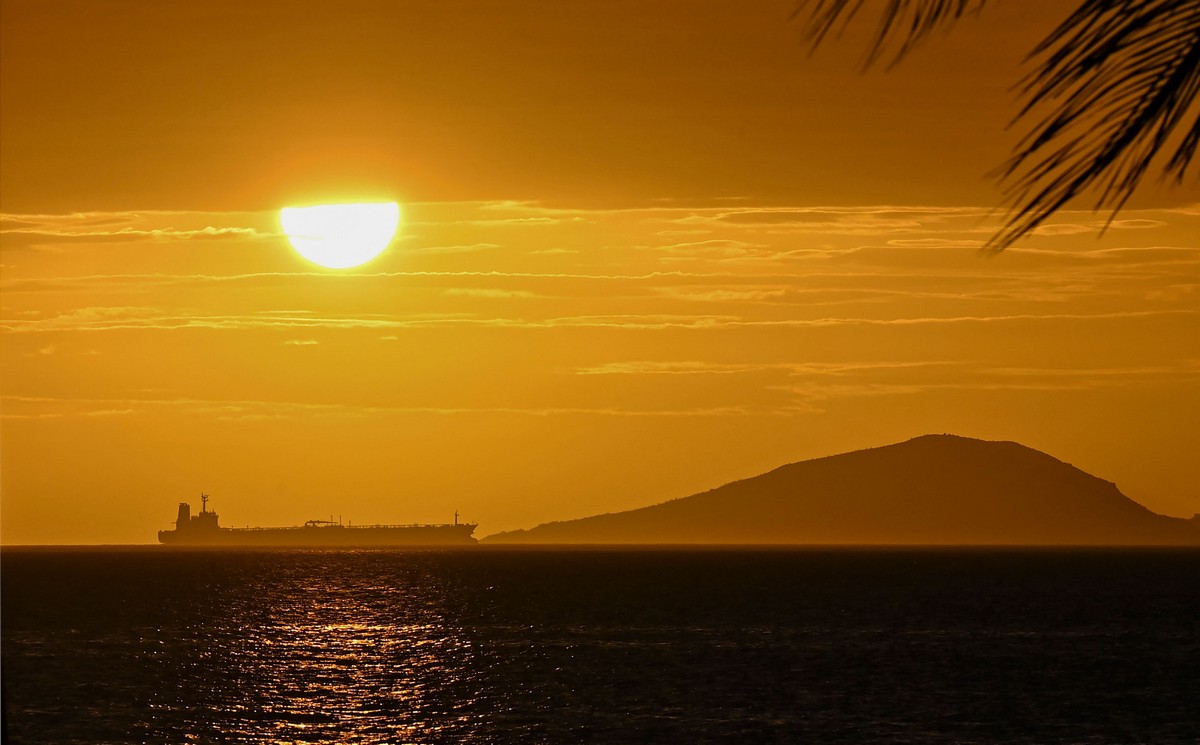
(203, 529)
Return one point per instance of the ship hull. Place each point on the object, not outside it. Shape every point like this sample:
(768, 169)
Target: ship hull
(323, 536)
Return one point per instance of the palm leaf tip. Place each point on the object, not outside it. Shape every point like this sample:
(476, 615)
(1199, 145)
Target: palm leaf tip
(1115, 87)
(903, 24)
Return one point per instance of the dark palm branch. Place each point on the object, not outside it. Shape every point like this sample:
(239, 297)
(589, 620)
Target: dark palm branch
(1120, 76)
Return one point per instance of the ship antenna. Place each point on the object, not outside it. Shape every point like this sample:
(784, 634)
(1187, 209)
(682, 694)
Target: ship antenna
(456, 517)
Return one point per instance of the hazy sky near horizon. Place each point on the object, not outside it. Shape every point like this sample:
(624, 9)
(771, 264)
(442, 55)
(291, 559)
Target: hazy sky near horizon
(647, 249)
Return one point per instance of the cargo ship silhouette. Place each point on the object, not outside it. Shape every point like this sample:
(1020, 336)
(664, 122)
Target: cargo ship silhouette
(202, 529)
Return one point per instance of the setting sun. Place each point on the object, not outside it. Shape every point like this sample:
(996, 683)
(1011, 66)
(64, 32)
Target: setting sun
(339, 236)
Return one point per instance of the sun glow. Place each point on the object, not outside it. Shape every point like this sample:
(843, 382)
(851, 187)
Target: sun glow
(339, 236)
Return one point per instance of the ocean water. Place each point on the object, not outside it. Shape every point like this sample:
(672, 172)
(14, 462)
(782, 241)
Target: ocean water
(145, 645)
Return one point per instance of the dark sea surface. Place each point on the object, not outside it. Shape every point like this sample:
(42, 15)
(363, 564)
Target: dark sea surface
(145, 644)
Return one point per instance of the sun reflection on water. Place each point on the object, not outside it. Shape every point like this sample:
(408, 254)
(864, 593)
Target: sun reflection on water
(322, 656)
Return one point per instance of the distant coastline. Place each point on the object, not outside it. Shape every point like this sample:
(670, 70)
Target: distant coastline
(933, 490)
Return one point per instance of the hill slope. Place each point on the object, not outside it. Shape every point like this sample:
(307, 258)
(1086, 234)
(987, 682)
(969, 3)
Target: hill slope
(934, 489)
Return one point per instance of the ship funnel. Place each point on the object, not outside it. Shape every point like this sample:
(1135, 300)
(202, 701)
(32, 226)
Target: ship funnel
(185, 515)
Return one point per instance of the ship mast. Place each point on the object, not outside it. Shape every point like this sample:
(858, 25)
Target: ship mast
(203, 502)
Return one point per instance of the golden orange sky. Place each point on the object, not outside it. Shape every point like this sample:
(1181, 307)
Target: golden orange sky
(647, 248)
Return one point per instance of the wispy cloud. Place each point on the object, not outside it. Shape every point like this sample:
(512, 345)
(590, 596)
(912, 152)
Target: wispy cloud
(721, 248)
(23, 407)
(696, 367)
(112, 319)
(488, 292)
(1097, 226)
(810, 390)
(725, 294)
(1186, 368)
(936, 243)
(453, 249)
(97, 227)
(155, 234)
(126, 280)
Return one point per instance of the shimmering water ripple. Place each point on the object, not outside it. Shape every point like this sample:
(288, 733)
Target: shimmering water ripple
(485, 646)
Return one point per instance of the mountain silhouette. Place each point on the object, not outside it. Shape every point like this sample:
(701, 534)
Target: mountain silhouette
(934, 489)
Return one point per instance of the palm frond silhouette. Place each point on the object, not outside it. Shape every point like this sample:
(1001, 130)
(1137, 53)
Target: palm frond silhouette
(1112, 86)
